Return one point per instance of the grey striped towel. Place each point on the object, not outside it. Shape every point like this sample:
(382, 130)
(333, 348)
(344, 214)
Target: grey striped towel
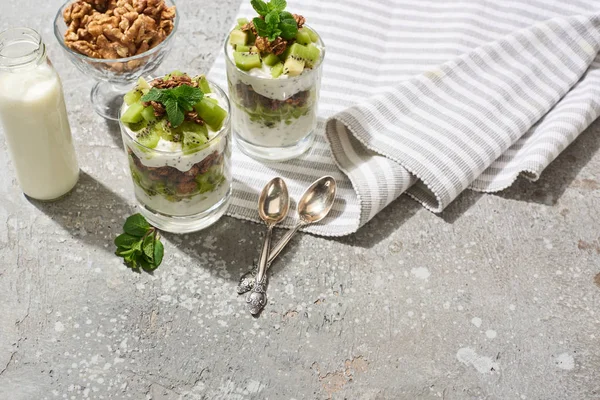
(432, 97)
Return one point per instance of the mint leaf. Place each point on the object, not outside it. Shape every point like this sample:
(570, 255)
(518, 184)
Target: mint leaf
(277, 5)
(148, 247)
(136, 225)
(187, 96)
(174, 113)
(146, 265)
(125, 240)
(140, 245)
(261, 27)
(158, 252)
(153, 95)
(272, 20)
(288, 25)
(260, 7)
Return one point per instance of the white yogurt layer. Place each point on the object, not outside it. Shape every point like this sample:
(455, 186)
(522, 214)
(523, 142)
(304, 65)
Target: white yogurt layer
(170, 154)
(186, 207)
(279, 135)
(281, 88)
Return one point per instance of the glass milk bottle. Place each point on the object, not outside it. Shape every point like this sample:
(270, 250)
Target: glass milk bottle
(34, 117)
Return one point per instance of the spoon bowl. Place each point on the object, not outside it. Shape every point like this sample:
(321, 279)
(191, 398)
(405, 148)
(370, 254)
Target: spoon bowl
(317, 200)
(274, 202)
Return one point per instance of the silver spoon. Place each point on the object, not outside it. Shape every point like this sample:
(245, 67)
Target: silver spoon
(314, 205)
(273, 206)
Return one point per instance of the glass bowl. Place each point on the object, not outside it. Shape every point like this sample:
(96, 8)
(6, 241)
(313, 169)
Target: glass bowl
(114, 76)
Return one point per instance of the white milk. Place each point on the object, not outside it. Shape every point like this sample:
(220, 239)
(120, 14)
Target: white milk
(35, 124)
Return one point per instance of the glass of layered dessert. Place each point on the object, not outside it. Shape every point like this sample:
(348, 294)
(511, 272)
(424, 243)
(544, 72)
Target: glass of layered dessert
(176, 132)
(274, 65)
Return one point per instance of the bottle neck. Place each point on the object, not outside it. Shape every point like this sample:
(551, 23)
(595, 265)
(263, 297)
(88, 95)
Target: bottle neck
(21, 48)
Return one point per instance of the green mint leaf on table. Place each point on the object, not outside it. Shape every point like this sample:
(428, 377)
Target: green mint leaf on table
(148, 247)
(140, 245)
(136, 225)
(159, 251)
(260, 7)
(177, 101)
(277, 5)
(125, 240)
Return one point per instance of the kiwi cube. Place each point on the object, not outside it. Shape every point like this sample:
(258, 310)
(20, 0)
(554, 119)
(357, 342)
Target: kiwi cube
(242, 49)
(310, 54)
(211, 113)
(192, 141)
(271, 59)
(313, 36)
(203, 84)
(247, 61)
(148, 138)
(238, 38)
(277, 70)
(133, 114)
(148, 114)
(303, 37)
(132, 96)
(242, 21)
(293, 66)
(143, 85)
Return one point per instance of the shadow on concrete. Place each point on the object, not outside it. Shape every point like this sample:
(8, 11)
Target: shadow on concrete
(560, 174)
(113, 129)
(384, 223)
(92, 213)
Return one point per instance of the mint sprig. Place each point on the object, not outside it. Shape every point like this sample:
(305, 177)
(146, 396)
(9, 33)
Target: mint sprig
(275, 22)
(140, 245)
(177, 101)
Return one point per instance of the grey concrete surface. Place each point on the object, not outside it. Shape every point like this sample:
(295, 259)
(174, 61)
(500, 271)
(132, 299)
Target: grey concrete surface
(497, 298)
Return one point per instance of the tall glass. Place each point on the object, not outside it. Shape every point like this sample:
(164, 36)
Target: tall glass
(183, 191)
(34, 117)
(274, 119)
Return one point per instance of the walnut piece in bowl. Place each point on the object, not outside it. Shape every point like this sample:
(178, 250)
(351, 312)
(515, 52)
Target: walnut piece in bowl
(115, 42)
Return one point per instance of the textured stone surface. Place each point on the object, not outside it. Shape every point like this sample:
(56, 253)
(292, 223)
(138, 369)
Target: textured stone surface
(497, 298)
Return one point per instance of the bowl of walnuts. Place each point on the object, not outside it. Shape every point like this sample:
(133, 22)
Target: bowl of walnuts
(115, 42)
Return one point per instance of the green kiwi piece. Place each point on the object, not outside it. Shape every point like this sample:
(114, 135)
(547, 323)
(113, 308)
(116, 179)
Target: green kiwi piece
(148, 114)
(242, 21)
(132, 96)
(303, 37)
(174, 73)
(294, 65)
(211, 113)
(310, 54)
(203, 84)
(247, 61)
(147, 138)
(277, 70)
(143, 85)
(163, 130)
(313, 36)
(137, 126)
(238, 38)
(271, 59)
(242, 49)
(133, 114)
(192, 141)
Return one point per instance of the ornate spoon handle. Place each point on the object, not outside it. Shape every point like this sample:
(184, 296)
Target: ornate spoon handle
(258, 298)
(247, 280)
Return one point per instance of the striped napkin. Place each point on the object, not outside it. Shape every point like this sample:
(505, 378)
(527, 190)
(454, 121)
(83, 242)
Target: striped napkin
(432, 97)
